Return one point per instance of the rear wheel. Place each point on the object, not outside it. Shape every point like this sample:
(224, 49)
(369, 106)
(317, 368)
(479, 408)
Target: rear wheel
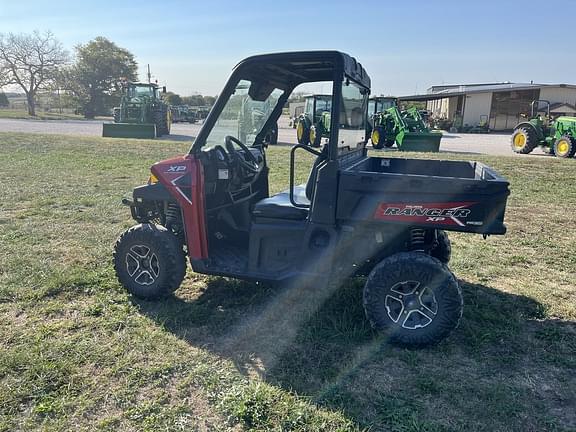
(302, 132)
(414, 298)
(149, 261)
(523, 140)
(565, 146)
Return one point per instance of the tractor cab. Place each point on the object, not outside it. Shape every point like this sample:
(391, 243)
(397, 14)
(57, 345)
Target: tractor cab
(141, 93)
(379, 104)
(142, 90)
(316, 105)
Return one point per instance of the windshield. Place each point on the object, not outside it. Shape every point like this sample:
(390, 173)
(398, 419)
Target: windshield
(384, 104)
(371, 107)
(242, 117)
(322, 105)
(141, 91)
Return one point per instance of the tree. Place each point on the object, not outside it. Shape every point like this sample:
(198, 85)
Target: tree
(194, 100)
(4, 100)
(31, 61)
(173, 98)
(209, 100)
(95, 78)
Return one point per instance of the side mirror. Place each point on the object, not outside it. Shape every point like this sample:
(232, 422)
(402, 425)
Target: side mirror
(164, 89)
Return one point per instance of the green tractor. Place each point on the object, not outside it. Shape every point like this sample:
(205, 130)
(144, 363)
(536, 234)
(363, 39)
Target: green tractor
(405, 128)
(556, 137)
(376, 106)
(142, 113)
(314, 122)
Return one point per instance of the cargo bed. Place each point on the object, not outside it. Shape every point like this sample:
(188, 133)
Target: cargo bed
(449, 195)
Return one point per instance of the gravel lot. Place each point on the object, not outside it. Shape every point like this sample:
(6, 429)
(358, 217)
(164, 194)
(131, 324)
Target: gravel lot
(492, 144)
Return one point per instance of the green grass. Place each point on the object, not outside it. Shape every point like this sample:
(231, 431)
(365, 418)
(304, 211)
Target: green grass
(77, 353)
(40, 115)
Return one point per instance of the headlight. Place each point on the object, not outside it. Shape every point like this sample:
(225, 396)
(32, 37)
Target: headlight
(152, 179)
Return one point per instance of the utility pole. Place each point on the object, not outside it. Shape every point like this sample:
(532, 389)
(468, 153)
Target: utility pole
(149, 75)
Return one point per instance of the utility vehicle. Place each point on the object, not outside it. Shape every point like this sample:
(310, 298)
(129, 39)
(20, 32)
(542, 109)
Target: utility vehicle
(356, 214)
(556, 137)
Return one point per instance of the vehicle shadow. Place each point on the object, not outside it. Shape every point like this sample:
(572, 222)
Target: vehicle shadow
(316, 341)
(176, 137)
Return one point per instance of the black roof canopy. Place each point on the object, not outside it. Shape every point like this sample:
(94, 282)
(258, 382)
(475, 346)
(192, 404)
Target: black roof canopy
(288, 69)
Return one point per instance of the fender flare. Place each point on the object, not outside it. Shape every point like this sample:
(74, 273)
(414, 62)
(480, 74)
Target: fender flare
(537, 131)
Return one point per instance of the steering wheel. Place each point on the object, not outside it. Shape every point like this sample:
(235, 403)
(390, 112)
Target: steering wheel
(251, 165)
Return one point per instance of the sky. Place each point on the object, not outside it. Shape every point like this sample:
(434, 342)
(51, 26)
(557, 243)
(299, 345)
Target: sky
(406, 46)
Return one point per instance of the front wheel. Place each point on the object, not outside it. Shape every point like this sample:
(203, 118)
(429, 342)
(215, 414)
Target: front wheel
(149, 261)
(163, 120)
(315, 136)
(414, 298)
(564, 147)
(378, 137)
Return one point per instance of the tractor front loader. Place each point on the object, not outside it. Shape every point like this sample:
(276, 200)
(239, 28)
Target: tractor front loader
(406, 129)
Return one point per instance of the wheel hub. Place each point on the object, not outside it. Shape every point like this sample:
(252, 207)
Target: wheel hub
(411, 304)
(562, 148)
(142, 265)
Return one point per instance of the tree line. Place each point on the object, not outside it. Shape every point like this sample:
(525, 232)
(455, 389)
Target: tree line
(90, 78)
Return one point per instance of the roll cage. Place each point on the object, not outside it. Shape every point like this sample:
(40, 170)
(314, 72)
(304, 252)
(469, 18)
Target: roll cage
(285, 71)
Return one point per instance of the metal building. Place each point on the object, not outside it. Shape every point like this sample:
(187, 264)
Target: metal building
(501, 104)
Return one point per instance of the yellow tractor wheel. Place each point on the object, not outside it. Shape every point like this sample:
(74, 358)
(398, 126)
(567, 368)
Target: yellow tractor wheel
(565, 146)
(302, 132)
(523, 140)
(315, 136)
(378, 138)
(168, 121)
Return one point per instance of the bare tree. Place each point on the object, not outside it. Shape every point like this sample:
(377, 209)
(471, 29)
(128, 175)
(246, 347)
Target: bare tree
(30, 61)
